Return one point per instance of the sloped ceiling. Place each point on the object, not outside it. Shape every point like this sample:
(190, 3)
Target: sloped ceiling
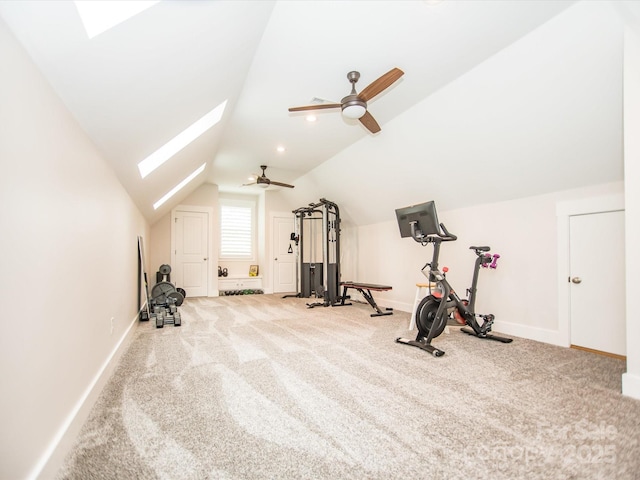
(138, 85)
(542, 115)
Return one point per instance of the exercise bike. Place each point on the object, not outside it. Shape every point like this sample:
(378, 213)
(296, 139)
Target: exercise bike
(435, 310)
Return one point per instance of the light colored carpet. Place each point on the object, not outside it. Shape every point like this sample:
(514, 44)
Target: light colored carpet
(260, 387)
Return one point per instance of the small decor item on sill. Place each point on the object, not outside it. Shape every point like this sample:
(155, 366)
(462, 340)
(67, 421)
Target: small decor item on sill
(253, 271)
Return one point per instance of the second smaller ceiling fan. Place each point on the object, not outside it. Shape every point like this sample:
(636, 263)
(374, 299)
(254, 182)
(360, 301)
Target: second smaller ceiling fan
(264, 182)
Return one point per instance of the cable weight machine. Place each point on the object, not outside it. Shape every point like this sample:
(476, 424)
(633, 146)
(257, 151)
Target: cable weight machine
(317, 237)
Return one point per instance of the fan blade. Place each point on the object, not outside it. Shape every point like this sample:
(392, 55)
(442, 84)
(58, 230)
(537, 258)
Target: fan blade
(379, 85)
(368, 121)
(315, 107)
(249, 184)
(281, 184)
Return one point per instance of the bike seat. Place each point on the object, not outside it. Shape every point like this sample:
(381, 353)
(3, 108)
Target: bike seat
(480, 249)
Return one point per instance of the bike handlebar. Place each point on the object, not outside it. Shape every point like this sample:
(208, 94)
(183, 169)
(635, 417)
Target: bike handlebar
(448, 236)
(419, 237)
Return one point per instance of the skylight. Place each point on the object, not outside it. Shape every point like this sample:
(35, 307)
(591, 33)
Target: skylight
(180, 141)
(180, 186)
(99, 15)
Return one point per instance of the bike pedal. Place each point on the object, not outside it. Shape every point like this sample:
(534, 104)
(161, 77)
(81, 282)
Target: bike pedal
(487, 323)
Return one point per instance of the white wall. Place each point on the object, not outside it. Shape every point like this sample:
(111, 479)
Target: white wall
(160, 247)
(631, 379)
(69, 265)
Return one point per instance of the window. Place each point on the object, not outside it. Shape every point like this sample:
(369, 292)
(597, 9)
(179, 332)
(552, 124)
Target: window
(180, 186)
(237, 230)
(180, 141)
(100, 16)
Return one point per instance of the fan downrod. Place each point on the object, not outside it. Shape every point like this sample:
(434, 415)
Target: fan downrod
(353, 100)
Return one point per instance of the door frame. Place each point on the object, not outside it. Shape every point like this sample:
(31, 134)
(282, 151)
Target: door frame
(565, 210)
(211, 288)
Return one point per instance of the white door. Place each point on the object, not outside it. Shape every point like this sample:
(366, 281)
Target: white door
(284, 253)
(191, 253)
(597, 276)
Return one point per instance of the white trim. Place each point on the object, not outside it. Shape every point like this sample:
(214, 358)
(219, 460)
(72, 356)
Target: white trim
(564, 210)
(212, 290)
(553, 337)
(241, 277)
(382, 302)
(53, 457)
(631, 385)
(272, 276)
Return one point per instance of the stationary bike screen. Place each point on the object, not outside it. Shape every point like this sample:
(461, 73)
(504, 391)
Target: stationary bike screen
(425, 216)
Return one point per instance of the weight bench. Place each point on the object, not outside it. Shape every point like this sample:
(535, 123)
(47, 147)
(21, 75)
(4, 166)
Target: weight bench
(361, 287)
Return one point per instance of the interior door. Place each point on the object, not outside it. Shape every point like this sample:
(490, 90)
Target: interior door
(597, 266)
(284, 262)
(191, 253)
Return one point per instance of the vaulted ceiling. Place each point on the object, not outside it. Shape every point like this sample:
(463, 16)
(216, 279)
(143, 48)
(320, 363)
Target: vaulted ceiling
(141, 83)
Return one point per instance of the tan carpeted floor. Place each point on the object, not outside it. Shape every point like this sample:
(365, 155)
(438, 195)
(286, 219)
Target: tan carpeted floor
(260, 387)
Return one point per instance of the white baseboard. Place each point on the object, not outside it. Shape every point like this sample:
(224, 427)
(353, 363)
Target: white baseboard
(53, 458)
(399, 306)
(631, 385)
(381, 302)
(554, 337)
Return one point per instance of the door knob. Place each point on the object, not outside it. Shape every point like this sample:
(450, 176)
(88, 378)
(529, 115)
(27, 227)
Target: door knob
(576, 280)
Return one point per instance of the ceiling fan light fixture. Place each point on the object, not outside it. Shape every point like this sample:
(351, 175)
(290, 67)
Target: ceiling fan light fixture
(263, 185)
(354, 109)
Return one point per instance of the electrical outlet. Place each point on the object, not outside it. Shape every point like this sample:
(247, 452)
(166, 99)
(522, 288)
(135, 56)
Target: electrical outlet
(112, 323)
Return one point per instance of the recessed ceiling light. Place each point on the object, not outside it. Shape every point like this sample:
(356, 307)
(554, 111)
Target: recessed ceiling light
(180, 186)
(280, 148)
(99, 16)
(180, 141)
(311, 118)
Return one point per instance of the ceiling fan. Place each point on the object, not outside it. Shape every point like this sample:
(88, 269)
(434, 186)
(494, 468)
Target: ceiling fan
(354, 105)
(264, 182)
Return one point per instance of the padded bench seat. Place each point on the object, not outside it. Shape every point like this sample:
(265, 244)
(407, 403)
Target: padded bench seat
(365, 290)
